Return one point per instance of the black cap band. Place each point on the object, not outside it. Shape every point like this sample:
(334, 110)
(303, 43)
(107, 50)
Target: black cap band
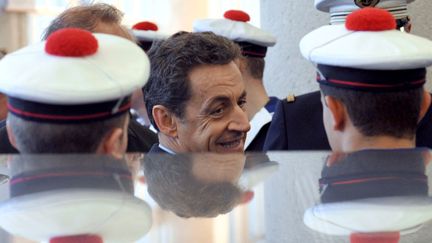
(371, 80)
(252, 50)
(40, 112)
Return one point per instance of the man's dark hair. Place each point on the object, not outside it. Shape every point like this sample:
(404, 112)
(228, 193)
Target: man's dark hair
(37, 137)
(393, 114)
(173, 186)
(173, 59)
(84, 17)
(255, 67)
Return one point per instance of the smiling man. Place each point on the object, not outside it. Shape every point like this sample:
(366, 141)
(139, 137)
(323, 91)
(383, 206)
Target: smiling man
(195, 97)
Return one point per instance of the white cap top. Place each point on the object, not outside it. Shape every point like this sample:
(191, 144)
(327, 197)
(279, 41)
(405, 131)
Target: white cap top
(113, 70)
(389, 214)
(115, 216)
(148, 31)
(236, 29)
(387, 49)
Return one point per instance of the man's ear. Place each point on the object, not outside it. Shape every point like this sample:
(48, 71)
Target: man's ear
(337, 112)
(165, 120)
(11, 136)
(113, 143)
(425, 104)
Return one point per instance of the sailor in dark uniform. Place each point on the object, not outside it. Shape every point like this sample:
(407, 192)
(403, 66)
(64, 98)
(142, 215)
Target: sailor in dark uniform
(140, 139)
(254, 43)
(84, 107)
(372, 94)
(297, 124)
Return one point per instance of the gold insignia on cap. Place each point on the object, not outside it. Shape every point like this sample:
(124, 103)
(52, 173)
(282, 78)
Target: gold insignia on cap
(366, 3)
(290, 98)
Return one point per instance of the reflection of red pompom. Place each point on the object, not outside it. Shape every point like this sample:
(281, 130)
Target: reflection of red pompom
(145, 26)
(71, 42)
(77, 238)
(390, 237)
(370, 19)
(237, 15)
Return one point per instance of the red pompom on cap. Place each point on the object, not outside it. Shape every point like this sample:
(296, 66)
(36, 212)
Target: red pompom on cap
(77, 238)
(370, 19)
(71, 42)
(237, 15)
(145, 25)
(390, 237)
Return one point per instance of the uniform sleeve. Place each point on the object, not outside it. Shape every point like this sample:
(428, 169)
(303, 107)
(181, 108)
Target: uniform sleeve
(276, 136)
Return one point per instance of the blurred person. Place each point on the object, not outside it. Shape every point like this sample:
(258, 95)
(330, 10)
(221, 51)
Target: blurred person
(145, 33)
(195, 96)
(298, 125)
(372, 98)
(253, 42)
(84, 110)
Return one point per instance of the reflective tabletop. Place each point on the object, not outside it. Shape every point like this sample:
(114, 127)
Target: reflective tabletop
(365, 196)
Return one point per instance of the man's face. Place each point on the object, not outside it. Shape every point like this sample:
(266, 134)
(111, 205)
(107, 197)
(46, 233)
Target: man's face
(214, 119)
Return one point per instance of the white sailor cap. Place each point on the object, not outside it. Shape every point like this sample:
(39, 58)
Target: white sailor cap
(396, 215)
(234, 26)
(339, 9)
(73, 76)
(368, 41)
(146, 33)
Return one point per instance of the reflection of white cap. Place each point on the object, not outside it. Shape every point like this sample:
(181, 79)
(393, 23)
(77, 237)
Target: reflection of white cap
(77, 196)
(390, 214)
(367, 41)
(235, 27)
(114, 216)
(339, 9)
(73, 67)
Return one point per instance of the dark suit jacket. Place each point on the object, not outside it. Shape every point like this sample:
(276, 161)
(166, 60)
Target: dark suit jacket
(299, 126)
(140, 139)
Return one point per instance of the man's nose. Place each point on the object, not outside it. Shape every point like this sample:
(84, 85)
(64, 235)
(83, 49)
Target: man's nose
(239, 121)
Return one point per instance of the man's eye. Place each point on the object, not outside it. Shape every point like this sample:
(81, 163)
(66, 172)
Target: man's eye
(242, 103)
(217, 111)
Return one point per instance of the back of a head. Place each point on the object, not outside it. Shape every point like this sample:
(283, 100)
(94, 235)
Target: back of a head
(85, 17)
(381, 81)
(77, 110)
(172, 184)
(174, 58)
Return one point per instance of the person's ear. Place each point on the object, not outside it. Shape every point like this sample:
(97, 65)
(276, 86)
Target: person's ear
(113, 143)
(246, 197)
(165, 120)
(425, 104)
(337, 112)
(11, 135)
